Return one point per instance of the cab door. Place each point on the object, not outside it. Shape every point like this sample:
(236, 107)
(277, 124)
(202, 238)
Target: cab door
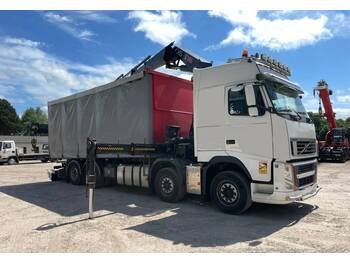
(249, 138)
(8, 149)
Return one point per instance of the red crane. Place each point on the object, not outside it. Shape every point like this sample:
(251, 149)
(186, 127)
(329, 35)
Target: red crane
(336, 145)
(324, 94)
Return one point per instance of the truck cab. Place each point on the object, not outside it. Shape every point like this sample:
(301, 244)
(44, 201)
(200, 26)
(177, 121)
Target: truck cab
(248, 116)
(8, 152)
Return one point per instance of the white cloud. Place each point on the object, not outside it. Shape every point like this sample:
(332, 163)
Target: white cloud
(278, 13)
(20, 41)
(340, 24)
(30, 73)
(160, 27)
(276, 33)
(310, 104)
(344, 99)
(342, 113)
(44, 108)
(73, 22)
(69, 26)
(94, 16)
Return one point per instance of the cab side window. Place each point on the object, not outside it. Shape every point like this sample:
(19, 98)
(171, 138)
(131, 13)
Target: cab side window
(237, 103)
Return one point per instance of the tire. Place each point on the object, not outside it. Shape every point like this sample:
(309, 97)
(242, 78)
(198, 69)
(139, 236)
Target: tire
(343, 158)
(12, 161)
(169, 185)
(230, 191)
(74, 173)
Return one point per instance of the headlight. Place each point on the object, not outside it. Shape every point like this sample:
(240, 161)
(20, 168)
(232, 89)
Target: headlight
(288, 178)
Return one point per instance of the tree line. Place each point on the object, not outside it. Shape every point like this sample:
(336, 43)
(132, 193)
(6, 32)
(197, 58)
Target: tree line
(12, 124)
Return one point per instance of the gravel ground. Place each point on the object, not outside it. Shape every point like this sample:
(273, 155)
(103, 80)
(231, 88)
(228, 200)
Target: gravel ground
(37, 215)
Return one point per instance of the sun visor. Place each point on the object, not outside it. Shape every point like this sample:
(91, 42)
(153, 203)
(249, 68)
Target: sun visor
(272, 77)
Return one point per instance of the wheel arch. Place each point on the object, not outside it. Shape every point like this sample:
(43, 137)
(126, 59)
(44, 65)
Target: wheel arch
(218, 164)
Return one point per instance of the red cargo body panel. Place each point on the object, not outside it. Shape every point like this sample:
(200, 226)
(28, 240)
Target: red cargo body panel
(172, 104)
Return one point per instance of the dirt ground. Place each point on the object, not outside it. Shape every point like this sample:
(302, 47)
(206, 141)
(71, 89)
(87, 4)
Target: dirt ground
(37, 215)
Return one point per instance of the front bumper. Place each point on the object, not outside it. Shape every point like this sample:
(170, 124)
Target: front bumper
(302, 197)
(331, 154)
(280, 197)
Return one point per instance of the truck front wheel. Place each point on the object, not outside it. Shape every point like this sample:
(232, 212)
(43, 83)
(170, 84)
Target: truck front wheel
(169, 186)
(11, 161)
(74, 173)
(230, 191)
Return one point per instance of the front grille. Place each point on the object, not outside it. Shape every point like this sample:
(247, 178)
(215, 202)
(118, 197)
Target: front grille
(305, 168)
(303, 147)
(306, 181)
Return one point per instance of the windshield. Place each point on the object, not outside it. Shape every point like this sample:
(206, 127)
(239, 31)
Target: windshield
(287, 102)
(338, 135)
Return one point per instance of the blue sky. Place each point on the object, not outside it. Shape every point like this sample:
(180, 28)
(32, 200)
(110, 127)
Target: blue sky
(49, 54)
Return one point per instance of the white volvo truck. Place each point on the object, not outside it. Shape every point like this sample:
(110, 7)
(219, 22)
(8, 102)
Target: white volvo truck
(251, 139)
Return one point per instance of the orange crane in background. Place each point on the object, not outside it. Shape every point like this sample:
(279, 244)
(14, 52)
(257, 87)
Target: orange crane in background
(336, 145)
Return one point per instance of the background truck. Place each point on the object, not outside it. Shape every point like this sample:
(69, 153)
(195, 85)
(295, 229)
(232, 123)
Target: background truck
(11, 154)
(336, 145)
(17, 148)
(236, 134)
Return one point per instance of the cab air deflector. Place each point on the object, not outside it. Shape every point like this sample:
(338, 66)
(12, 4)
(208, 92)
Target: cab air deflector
(272, 77)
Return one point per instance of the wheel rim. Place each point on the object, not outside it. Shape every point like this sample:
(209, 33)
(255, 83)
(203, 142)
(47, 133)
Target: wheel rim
(11, 161)
(74, 173)
(167, 185)
(227, 193)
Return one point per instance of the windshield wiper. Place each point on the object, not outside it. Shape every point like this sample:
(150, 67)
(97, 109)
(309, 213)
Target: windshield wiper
(291, 110)
(308, 119)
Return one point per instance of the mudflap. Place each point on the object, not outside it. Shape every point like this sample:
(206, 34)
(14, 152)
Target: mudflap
(57, 173)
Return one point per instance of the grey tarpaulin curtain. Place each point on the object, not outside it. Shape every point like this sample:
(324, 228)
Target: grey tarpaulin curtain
(120, 114)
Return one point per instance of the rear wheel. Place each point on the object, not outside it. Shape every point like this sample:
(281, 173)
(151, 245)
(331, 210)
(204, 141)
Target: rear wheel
(74, 173)
(230, 191)
(169, 185)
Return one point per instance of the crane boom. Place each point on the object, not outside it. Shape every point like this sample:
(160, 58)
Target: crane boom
(170, 57)
(324, 94)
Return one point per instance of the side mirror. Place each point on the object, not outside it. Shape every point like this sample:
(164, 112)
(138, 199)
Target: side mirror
(253, 111)
(251, 101)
